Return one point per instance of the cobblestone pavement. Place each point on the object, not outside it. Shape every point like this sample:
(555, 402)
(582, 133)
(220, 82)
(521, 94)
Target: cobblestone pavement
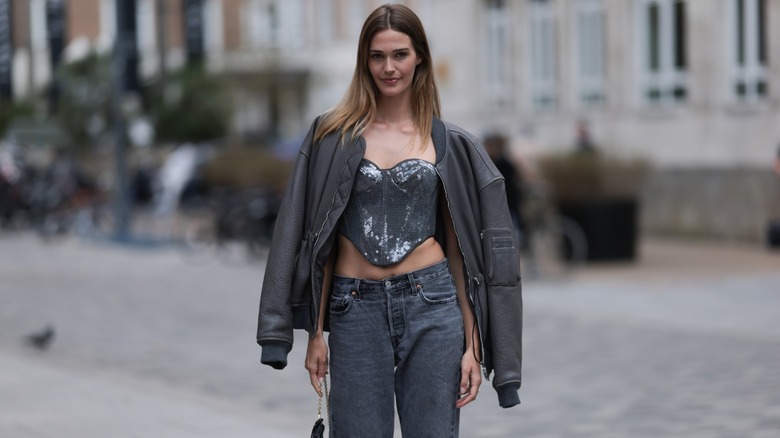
(684, 343)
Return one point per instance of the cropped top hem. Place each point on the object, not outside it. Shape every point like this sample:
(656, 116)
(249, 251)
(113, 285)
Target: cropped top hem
(403, 257)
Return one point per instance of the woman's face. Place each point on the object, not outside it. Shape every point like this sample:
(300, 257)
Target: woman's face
(392, 61)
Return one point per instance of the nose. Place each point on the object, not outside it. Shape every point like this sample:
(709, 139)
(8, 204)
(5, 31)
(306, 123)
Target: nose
(389, 65)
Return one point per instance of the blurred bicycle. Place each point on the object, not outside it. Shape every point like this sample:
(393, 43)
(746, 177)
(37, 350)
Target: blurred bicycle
(552, 244)
(236, 226)
(63, 201)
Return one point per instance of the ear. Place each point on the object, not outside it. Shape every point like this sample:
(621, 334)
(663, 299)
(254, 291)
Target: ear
(419, 61)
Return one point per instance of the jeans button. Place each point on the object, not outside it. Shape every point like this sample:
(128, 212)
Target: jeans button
(388, 283)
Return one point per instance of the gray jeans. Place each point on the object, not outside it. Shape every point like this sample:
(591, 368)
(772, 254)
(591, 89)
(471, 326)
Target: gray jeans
(399, 338)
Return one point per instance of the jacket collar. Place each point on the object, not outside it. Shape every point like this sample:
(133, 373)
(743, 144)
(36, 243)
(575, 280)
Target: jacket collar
(439, 134)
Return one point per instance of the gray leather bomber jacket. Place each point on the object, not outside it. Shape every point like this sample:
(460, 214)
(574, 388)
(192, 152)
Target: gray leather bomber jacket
(315, 198)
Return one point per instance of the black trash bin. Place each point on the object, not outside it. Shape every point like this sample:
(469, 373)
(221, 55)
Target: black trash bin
(610, 226)
(773, 234)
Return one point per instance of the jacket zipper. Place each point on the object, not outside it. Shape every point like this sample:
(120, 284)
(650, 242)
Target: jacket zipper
(470, 287)
(317, 238)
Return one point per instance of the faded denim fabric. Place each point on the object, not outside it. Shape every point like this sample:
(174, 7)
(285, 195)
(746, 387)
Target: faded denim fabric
(399, 339)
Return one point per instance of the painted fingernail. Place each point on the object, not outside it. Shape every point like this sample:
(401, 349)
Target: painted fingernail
(321, 380)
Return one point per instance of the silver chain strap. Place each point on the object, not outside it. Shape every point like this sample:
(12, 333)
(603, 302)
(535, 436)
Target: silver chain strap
(323, 390)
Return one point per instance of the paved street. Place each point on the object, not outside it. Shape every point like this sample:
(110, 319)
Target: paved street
(685, 343)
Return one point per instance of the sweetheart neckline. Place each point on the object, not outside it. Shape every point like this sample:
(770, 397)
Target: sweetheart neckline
(397, 164)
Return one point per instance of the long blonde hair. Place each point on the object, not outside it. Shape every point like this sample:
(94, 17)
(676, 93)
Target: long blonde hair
(357, 108)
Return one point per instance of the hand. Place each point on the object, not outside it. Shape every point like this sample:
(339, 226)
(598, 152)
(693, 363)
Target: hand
(470, 379)
(317, 361)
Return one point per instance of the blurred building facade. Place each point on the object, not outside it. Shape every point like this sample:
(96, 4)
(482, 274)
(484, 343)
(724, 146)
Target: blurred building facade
(693, 86)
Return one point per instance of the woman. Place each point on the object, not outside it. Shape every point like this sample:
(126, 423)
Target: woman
(395, 236)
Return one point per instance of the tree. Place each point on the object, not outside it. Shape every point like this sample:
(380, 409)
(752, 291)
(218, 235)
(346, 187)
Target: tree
(11, 110)
(192, 108)
(84, 106)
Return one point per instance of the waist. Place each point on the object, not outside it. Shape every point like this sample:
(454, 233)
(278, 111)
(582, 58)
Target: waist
(351, 262)
(400, 281)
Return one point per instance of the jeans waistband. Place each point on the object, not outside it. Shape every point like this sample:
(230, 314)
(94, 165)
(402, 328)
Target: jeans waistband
(395, 282)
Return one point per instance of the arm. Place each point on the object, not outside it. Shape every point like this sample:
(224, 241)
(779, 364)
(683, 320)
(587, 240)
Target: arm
(317, 350)
(275, 317)
(470, 375)
(504, 290)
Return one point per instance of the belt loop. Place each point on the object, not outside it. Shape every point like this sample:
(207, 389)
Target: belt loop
(413, 286)
(356, 289)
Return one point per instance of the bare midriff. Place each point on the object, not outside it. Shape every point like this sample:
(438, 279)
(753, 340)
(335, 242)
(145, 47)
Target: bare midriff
(351, 262)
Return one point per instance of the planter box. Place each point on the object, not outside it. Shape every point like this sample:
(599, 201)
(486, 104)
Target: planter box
(773, 234)
(610, 226)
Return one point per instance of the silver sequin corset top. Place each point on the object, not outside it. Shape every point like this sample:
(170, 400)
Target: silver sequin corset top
(391, 211)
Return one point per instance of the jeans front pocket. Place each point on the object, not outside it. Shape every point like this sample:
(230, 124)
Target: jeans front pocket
(436, 291)
(342, 297)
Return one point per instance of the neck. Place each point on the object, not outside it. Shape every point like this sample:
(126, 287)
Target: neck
(394, 111)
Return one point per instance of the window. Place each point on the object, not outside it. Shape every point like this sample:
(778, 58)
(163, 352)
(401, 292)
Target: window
(544, 67)
(589, 41)
(289, 22)
(325, 22)
(214, 32)
(261, 24)
(274, 24)
(663, 51)
(107, 25)
(356, 15)
(38, 25)
(496, 61)
(147, 29)
(748, 55)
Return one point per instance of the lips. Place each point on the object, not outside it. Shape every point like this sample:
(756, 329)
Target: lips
(391, 81)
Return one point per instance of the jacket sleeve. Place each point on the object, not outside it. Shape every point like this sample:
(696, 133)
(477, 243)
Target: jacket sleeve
(275, 319)
(504, 292)
(501, 271)
(498, 301)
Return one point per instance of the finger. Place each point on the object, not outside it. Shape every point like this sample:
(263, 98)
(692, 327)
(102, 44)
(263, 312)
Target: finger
(312, 368)
(315, 383)
(466, 397)
(464, 383)
(322, 369)
(472, 390)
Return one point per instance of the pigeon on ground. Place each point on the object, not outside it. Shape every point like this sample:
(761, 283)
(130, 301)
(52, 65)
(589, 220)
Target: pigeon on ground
(42, 339)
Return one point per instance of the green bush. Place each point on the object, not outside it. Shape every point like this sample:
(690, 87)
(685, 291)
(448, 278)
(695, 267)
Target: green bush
(587, 176)
(84, 101)
(10, 111)
(192, 108)
(242, 167)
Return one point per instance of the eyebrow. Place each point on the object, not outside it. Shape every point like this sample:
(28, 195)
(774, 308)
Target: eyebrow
(405, 49)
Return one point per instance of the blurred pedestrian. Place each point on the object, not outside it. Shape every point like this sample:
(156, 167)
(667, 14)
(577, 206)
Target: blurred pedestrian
(9, 174)
(177, 170)
(777, 161)
(773, 227)
(142, 181)
(395, 235)
(496, 146)
(583, 142)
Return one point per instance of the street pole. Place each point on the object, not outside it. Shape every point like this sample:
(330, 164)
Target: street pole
(120, 69)
(162, 45)
(55, 34)
(6, 50)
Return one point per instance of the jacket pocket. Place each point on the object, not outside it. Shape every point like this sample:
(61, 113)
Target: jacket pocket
(301, 280)
(502, 265)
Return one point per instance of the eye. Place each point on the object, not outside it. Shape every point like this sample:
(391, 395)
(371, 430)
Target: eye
(401, 55)
(375, 56)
